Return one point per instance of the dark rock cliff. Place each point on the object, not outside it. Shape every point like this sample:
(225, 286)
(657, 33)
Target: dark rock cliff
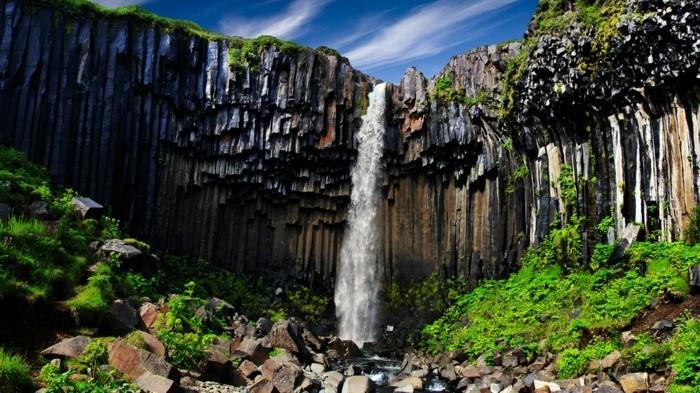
(250, 166)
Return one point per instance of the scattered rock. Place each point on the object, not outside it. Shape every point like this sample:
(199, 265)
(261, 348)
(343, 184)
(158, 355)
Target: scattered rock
(87, 208)
(285, 335)
(550, 386)
(118, 246)
(344, 348)
(358, 384)
(38, 209)
(635, 382)
(263, 326)
(248, 368)
(134, 361)
(152, 344)
(318, 368)
(663, 325)
(333, 380)
(628, 237)
(252, 349)
(414, 382)
(261, 386)
(67, 348)
(628, 338)
(155, 383)
(148, 312)
(125, 315)
(472, 372)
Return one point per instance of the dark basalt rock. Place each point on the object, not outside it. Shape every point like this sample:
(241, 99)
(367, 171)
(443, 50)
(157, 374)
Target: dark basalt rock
(250, 167)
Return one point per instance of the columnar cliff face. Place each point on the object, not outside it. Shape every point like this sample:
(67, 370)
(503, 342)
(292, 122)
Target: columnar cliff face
(249, 166)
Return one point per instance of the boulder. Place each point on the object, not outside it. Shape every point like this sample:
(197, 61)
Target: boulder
(248, 368)
(694, 275)
(472, 372)
(124, 314)
(663, 325)
(134, 362)
(448, 373)
(345, 348)
(216, 366)
(628, 237)
(263, 326)
(148, 312)
(550, 386)
(261, 386)
(152, 344)
(317, 368)
(119, 247)
(284, 376)
(634, 382)
(87, 208)
(414, 382)
(67, 348)
(155, 383)
(358, 384)
(38, 209)
(287, 336)
(332, 380)
(252, 349)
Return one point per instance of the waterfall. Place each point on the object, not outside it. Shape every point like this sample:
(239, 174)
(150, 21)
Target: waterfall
(356, 284)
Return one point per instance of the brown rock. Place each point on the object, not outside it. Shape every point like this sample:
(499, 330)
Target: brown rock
(634, 382)
(344, 348)
(285, 335)
(472, 372)
(239, 379)
(155, 383)
(217, 366)
(248, 368)
(251, 349)
(148, 312)
(414, 382)
(261, 386)
(67, 348)
(134, 362)
(610, 360)
(152, 344)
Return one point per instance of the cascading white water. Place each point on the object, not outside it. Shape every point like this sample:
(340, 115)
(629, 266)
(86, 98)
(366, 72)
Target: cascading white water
(356, 284)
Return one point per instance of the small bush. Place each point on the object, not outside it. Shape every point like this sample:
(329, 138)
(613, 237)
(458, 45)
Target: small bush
(646, 354)
(574, 362)
(685, 359)
(14, 373)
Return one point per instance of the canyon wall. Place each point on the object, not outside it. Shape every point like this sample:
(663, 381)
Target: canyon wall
(249, 165)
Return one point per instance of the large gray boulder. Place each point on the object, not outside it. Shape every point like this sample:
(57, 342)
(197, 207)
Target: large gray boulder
(68, 348)
(87, 208)
(118, 246)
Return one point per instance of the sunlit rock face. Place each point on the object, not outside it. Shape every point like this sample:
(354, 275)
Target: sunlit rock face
(251, 167)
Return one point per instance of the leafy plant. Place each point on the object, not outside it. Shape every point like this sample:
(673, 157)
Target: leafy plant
(685, 359)
(574, 362)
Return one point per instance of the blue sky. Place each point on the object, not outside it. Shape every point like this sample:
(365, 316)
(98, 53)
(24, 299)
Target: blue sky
(381, 37)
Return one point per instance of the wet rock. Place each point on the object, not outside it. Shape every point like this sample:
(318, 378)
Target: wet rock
(344, 348)
(358, 384)
(118, 246)
(634, 382)
(415, 382)
(67, 348)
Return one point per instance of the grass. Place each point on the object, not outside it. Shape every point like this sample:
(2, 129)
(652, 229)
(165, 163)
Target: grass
(685, 360)
(445, 92)
(14, 373)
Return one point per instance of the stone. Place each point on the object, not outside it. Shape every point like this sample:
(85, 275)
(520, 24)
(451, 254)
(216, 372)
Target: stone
(252, 349)
(333, 381)
(628, 338)
(148, 313)
(404, 389)
(217, 366)
(694, 278)
(263, 326)
(118, 246)
(634, 382)
(5, 211)
(472, 372)
(248, 368)
(156, 384)
(345, 348)
(284, 376)
(551, 386)
(420, 373)
(134, 361)
(87, 208)
(39, 209)
(68, 348)
(261, 386)
(415, 382)
(152, 344)
(358, 384)
(124, 314)
(287, 336)
(318, 368)
(663, 325)
(448, 373)
(628, 237)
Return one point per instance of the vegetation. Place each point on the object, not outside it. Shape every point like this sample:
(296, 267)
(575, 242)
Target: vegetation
(562, 307)
(445, 92)
(685, 359)
(14, 373)
(574, 362)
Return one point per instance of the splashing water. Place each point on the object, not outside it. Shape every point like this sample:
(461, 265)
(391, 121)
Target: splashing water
(356, 285)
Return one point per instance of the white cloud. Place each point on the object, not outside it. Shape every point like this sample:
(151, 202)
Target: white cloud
(120, 3)
(289, 24)
(426, 31)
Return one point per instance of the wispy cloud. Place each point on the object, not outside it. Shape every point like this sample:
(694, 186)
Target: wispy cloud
(289, 24)
(121, 3)
(424, 32)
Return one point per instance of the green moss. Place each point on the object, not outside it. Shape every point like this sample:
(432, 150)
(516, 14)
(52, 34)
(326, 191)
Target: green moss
(567, 184)
(14, 373)
(516, 178)
(445, 92)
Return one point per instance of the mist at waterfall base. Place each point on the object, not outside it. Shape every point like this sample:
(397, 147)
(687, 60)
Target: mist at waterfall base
(356, 284)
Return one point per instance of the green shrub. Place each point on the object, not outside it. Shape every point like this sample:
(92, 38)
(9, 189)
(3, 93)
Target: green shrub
(685, 359)
(102, 381)
(692, 233)
(14, 373)
(646, 354)
(313, 307)
(574, 362)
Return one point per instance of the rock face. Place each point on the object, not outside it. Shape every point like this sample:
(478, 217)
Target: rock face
(249, 166)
